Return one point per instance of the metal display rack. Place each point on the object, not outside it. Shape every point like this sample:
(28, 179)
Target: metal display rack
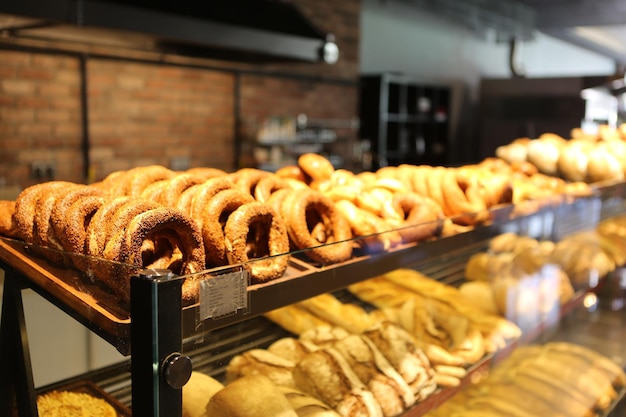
(155, 337)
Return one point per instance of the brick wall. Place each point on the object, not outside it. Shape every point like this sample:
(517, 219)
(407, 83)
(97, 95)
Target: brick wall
(40, 115)
(142, 113)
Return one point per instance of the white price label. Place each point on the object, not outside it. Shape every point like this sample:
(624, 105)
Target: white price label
(223, 295)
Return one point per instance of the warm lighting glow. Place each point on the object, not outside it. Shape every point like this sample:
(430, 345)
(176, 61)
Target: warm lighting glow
(590, 300)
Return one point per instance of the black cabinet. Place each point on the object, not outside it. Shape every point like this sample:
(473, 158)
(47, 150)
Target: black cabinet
(405, 121)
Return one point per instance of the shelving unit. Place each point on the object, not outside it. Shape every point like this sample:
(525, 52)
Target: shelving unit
(164, 334)
(406, 121)
(277, 147)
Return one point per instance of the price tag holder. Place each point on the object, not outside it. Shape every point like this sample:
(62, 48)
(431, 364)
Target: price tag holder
(223, 295)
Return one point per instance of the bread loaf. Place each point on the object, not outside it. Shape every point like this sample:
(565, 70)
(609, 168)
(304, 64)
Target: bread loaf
(261, 362)
(306, 405)
(250, 395)
(197, 392)
(390, 391)
(326, 375)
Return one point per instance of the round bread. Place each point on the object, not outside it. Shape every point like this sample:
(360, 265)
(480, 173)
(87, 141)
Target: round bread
(603, 166)
(27, 204)
(202, 195)
(206, 172)
(416, 217)
(139, 178)
(313, 223)
(315, 166)
(8, 227)
(544, 154)
(197, 393)
(292, 172)
(176, 186)
(67, 403)
(256, 237)
(216, 214)
(573, 160)
(374, 233)
(248, 178)
(480, 294)
(269, 185)
(250, 395)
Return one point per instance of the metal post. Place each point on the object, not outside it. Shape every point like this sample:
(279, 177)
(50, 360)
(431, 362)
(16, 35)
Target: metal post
(158, 368)
(17, 388)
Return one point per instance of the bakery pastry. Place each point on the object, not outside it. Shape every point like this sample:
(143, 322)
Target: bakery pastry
(197, 392)
(326, 375)
(291, 349)
(250, 395)
(295, 319)
(351, 317)
(261, 362)
(390, 391)
(306, 405)
(69, 403)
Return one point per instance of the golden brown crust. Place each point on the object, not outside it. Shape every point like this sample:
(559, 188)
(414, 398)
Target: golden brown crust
(292, 171)
(254, 232)
(174, 187)
(178, 241)
(203, 193)
(137, 179)
(8, 226)
(248, 178)
(415, 217)
(250, 395)
(268, 186)
(68, 403)
(314, 223)
(78, 216)
(326, 375)
(374, 233)
(71, 228)
(216, 214)
(26, 206)
(261, 362)
(315, 166)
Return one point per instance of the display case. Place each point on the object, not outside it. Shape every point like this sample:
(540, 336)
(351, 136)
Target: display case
(167, 338)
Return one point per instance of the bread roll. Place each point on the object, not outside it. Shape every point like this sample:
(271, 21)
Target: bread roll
(197, 392)
(291, 349)
(480, 294)
(603, 166)
(250, 395)
(328, 308)
(406, 357)
(326, 375)
(573, 160)
(306, 405)
(261, 362)
(295, 319)
(544, 153)
(391, 391)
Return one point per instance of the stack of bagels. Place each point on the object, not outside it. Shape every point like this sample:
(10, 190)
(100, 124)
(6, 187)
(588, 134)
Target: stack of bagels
(203, 218)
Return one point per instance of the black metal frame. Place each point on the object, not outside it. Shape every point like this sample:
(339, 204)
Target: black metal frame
(156, 339)
(17, 389)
